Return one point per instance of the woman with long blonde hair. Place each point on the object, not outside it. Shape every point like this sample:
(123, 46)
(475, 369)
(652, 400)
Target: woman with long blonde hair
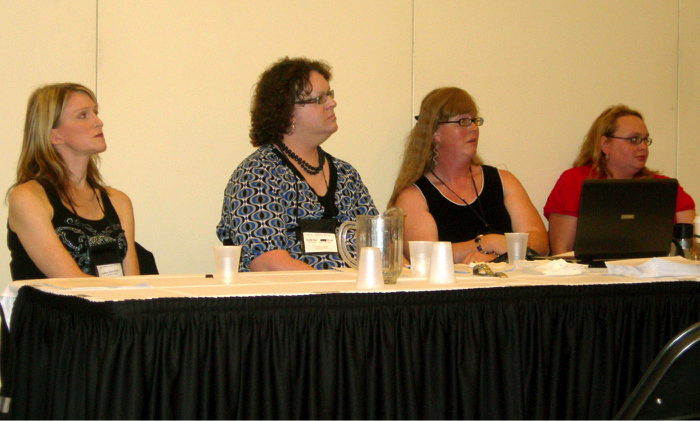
(63, 221)
(616, 146)
(447, 192)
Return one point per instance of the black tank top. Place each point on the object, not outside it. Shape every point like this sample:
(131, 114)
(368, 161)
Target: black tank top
(78, 235)
(460, 222)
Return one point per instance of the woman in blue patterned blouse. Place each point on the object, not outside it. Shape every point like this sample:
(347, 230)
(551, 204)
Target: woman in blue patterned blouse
(284, 202)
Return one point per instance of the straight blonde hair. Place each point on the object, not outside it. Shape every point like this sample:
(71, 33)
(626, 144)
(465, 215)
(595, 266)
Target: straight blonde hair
(38, 159)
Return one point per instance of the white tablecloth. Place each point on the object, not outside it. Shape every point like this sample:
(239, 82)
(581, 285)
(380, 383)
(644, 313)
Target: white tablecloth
(293, 283)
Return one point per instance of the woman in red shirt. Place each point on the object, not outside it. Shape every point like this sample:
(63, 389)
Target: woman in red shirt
(616, 146)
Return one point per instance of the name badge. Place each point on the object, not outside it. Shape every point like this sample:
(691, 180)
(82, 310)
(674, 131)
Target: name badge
(111, 270)
(319, 242)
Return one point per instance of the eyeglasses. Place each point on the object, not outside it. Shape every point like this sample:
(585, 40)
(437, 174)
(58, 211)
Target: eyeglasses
(634, 140)
(321, 99)
(466, 122)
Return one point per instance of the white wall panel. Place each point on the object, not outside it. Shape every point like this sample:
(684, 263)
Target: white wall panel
(40, 42)
(175, 85)
(542, 71)
(689, 100)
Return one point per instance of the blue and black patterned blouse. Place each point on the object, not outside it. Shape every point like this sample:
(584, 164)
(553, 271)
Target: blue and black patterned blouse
(265, 195)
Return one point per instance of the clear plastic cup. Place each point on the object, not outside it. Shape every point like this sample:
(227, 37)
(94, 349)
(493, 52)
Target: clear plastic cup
(420, 257)
(226, 259)
(516, 242)
(442, 268)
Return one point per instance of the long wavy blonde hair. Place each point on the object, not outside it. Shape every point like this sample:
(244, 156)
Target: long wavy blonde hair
(591, 149)
(439, 105)
(38, 159)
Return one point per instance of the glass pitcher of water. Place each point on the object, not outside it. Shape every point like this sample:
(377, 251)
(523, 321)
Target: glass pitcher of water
(383, 231)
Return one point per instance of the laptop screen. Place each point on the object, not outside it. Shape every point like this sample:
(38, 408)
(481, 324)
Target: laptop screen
(621, 219)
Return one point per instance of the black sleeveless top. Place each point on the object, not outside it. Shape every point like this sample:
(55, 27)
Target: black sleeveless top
(460, 222)
(80, 236)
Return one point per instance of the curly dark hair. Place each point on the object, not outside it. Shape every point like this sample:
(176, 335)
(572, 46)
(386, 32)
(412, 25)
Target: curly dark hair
(283, 83)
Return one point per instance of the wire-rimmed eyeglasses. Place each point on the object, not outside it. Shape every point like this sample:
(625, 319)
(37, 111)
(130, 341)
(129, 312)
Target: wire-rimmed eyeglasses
(321, 99)
(635, 140)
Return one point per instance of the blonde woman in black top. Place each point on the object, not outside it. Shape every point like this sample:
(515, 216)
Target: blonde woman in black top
(62, 220)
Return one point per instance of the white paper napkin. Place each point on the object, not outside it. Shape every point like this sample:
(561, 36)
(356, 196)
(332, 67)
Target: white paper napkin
(657, 267)
(559, 267)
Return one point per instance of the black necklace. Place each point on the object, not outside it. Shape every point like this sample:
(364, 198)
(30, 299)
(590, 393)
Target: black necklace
(481, 215)
(303, 164)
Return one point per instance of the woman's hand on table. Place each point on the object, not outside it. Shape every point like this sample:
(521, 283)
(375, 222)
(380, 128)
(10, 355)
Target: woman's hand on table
(475, 257)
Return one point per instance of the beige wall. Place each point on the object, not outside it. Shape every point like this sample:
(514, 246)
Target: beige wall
(35, 49)
(174, 82)
(542, 71)
(688, 146)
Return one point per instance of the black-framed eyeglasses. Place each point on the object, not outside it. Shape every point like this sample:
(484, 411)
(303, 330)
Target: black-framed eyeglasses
(321, 99)
(634, 140)
(465, 122)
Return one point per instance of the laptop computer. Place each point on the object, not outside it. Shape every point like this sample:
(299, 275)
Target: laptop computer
(624, 219)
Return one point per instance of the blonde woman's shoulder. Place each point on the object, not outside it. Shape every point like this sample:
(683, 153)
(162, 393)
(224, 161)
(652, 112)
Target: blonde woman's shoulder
(29, 192)
(118, 198)
(28, 206)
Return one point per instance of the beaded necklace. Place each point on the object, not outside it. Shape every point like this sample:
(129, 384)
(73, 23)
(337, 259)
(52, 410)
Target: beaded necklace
(303, 164)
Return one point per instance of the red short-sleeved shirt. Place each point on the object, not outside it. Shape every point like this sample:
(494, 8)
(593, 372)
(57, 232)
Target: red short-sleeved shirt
(565, 196)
